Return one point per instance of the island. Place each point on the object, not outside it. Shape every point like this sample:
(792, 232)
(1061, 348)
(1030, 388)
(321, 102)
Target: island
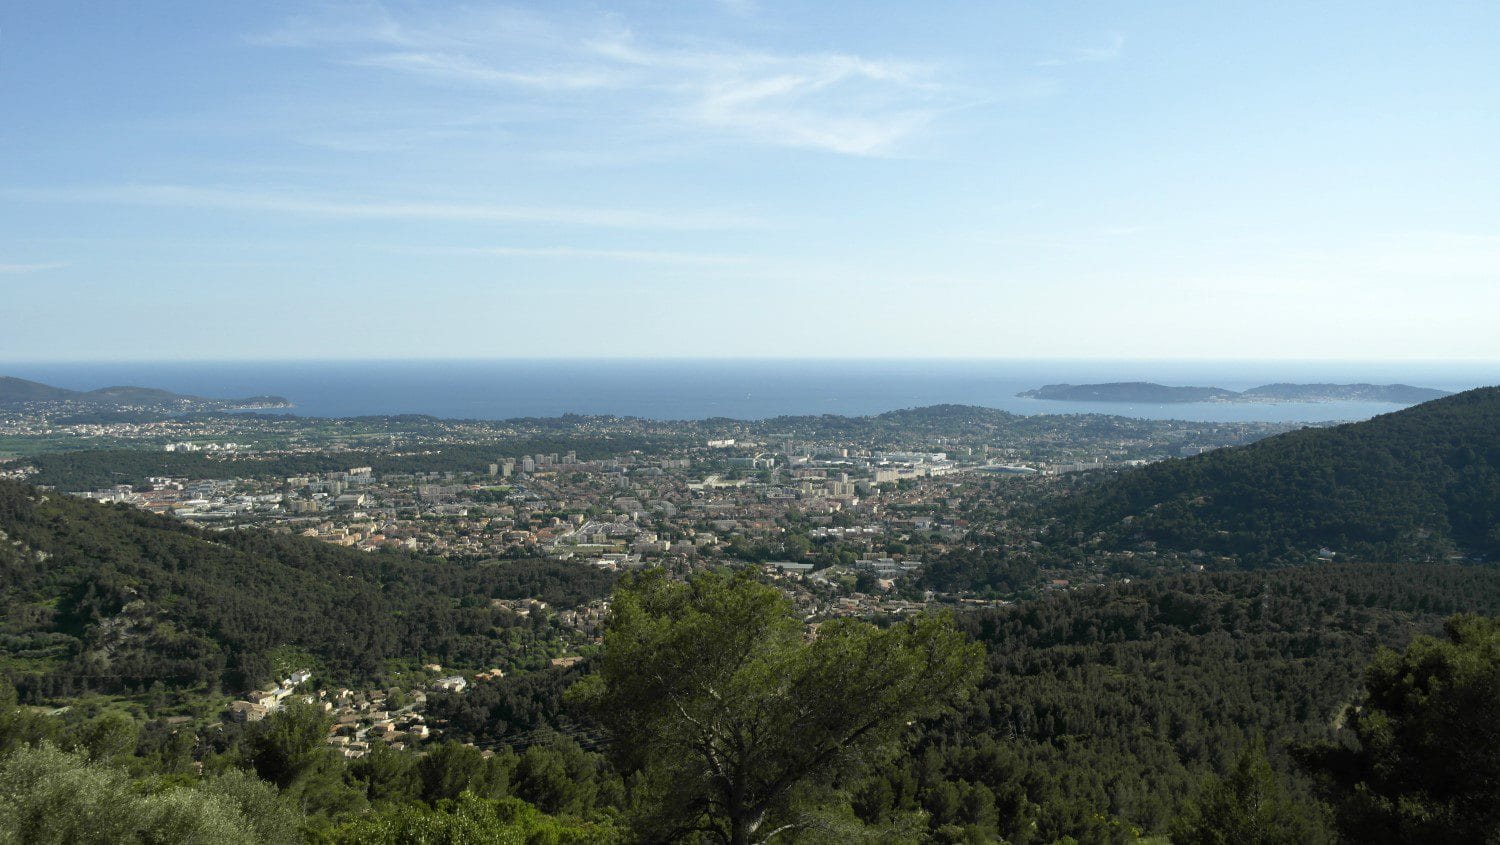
(16, 392)
(1129, 391)
(1160, 394)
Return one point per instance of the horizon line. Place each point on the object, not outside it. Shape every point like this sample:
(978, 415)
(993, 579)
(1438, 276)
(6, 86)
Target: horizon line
(747, 359)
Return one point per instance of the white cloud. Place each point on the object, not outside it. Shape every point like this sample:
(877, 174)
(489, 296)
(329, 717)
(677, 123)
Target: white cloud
(834, 102)
(254, 200)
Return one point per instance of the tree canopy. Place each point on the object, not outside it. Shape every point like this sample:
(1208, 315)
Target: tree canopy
(1426, 767)
(110, 598)
(1422, 483)
(733, 713)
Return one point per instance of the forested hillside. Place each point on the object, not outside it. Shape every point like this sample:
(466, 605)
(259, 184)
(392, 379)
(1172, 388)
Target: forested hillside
(1419, 484)
(1102, 710)
(109, 597)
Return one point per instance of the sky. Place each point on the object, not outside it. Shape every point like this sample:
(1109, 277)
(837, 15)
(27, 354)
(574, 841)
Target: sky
(1160, 180)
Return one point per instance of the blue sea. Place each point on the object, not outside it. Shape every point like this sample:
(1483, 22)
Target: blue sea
(742, 389)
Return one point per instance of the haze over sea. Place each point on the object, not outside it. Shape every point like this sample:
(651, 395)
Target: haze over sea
(743, 389)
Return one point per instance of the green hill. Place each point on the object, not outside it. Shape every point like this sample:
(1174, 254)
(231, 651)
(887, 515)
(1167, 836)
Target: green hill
(1128, 391)
(19, 391)
(112, 598)
(1106, 706)
(1421, 483)
(14, 389)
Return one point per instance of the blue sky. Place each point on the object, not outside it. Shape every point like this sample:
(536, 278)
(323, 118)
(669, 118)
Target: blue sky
(1016, 179)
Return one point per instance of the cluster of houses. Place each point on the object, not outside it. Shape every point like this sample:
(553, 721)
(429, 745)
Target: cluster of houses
(259, 703)
(359, 717)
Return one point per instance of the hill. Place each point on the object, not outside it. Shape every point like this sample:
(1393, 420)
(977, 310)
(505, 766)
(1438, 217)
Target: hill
(1103, 708)
(1129, 391)
(17, 391)
(1418, 484)
(109, 597)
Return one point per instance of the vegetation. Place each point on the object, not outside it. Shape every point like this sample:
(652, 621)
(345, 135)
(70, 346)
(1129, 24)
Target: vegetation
(277, 782)
(110, 598)
(1101, 711)
(1418, 484)
(1250, 804)
(471, 819)
(16, 392)
(1295, 704)
(92, 469)
(986, 572)
(1099, 715)
(512, 709)
(734, 722)
(1425, 761)
(1129, 391)
(51, 796)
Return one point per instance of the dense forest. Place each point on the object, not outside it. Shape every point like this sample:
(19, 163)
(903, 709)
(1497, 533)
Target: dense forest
(1102, 710)
(1100, 713)
(1418, 484)
(1234, 707)
(109, 598)
(983, 572)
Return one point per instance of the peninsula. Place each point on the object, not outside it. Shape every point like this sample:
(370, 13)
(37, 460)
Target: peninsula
(1152, 393)
(17, 391)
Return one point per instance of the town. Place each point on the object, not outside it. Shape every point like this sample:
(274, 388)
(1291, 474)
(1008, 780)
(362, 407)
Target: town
(843, 511)
(865, 517)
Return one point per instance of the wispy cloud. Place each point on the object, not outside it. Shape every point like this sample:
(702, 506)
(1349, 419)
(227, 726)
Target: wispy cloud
(254, 200)
(1112, 49)
(354, 22)
(457, 67)
(17, 269)
(570, 252)
(834, 102)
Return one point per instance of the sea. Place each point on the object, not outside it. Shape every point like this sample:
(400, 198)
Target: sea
(668, 389)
